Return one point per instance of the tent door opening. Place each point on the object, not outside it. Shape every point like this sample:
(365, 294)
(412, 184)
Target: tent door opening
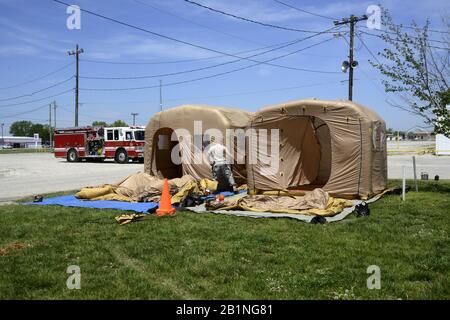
(305, 152)
(163, 154)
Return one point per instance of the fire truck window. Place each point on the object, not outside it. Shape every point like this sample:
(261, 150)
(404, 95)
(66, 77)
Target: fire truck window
(109, 134)
(116, 134)
(128, 135)
(139, 135)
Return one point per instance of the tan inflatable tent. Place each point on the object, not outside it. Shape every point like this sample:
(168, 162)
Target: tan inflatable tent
(339, 146)
(159, 146)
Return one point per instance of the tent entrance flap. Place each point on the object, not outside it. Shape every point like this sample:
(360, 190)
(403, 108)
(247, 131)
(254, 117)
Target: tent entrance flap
(163, 154)
(304, 152)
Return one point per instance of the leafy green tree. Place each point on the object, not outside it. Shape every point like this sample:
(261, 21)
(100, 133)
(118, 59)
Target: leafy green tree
(42, 130)
(21, 128)
(99, 124)
(118, 123)
(28, 129)
(417, 71)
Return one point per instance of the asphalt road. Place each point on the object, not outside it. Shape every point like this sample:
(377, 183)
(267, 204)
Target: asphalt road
(35, 173)
(433, 165)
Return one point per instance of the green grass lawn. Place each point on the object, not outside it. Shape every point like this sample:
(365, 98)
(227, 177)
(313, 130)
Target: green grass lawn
(206, 256)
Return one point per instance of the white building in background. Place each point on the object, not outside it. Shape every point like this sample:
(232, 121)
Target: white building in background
(442, 145)
(22, 142)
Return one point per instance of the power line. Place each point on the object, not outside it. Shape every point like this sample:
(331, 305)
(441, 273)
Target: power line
(36, 100)
(168, 37)
(195, 23)
(249, 20)
(210, 76)
(39, 78)
(38, 91)
(409, 35)
(184, 60)
(304, 11)
(87, 115)
(217, 65)
(181, 61)
(367, 48)
(219, 96)
(414, 28)
(331, 18)
(26, 112)
(381, 37)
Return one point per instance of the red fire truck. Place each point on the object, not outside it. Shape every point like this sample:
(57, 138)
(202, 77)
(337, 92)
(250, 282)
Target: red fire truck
(98, 143)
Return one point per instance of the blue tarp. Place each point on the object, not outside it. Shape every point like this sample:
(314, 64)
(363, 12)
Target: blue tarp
(71, 201)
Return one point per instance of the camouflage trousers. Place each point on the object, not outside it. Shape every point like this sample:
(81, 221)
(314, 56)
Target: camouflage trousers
(223, 175)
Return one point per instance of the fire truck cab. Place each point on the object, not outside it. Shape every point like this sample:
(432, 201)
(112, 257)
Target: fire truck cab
(98, 143)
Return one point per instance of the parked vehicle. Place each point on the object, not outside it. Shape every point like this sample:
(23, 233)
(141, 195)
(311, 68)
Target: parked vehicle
(99, 143)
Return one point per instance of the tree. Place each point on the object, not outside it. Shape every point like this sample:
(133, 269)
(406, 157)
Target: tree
(28, 129)
(21, 128)
(418, 72)
(99, 124)
(118, 123)
(42, 130)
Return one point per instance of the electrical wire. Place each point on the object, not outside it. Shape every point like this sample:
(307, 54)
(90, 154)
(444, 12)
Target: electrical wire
(409, 35)
(187, 60)
(249, 20)
(304, 11)
(367, 48)
(207, 77)
(36, 100)
(39, 78)
(26, 112)
(217, 96)
(196, 23)
(331, 18)
(218, 65)
(168, 37)
(184, 60)
(381, 37)
(38, 91)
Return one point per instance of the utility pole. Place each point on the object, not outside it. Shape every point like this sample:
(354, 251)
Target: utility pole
(134, 117)
(76, 53)
(160, 95)
(54, 113)
(50, 124)
(350, 64)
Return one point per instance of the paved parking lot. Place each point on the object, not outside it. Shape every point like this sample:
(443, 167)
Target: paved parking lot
(29, 174)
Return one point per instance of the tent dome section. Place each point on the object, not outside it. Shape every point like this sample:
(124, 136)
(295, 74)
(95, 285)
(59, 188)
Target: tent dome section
(339, 146)
(177, 138)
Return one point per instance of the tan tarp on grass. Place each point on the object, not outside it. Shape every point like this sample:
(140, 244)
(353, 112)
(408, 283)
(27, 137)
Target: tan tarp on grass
(158, 160)
(339, 146)
(137, 187)
(316, 202)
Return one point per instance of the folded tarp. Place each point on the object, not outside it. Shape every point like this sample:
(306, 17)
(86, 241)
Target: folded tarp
(316, 202)
(72, 201)
(139, 187)
(297, 216)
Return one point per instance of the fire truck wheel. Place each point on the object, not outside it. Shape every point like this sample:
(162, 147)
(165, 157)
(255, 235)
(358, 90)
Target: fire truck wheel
(121, 156)
(72, 155)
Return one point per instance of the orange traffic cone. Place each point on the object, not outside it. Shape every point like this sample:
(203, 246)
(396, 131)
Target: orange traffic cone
(165, 206)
